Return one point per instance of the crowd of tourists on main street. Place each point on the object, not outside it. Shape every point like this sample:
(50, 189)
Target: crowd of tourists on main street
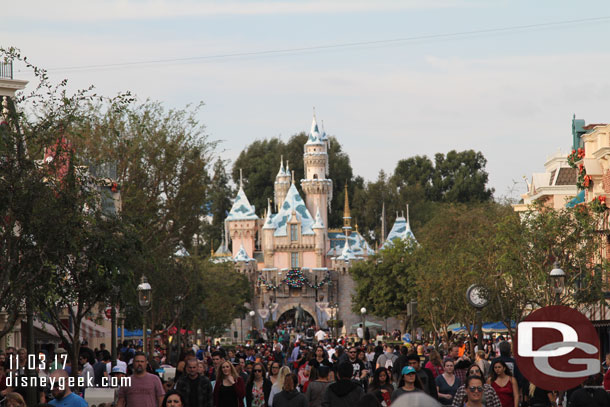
(310, 369)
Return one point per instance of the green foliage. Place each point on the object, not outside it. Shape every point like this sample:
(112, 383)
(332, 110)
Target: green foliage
(385, 283)
(532, 243)
(260, 162)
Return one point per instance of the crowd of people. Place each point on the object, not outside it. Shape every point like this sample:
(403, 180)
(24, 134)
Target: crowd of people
(314, 371)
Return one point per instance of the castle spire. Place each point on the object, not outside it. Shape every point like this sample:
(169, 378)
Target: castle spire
(281, 172)
(407, 214)
(292, 177)
(241, 176)
(347, 218)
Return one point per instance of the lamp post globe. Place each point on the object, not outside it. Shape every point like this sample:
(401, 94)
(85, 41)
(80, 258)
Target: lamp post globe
(251, 313)
(558, 277)
(145, 300)
(363, 310)
(144, 293)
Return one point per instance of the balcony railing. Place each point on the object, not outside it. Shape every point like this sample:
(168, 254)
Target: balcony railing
(6, 70)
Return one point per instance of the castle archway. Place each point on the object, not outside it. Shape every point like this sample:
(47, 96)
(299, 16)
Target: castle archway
(291, 315)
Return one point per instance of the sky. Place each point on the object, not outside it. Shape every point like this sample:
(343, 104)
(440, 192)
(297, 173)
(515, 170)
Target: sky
(390, 79)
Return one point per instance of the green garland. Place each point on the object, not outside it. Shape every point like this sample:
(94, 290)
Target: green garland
(295, 279)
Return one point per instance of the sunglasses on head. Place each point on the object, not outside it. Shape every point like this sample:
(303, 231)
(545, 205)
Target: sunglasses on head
(476, 388)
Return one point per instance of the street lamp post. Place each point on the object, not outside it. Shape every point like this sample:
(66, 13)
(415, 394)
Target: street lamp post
(252, 314)
(145, 300)
(363, 313)
(558, 277)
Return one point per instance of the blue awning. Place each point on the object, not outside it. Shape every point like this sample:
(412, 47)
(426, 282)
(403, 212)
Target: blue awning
(132, 333)
(579, 198)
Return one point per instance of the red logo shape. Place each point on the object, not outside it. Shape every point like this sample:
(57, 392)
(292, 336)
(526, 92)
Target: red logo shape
(557, 348)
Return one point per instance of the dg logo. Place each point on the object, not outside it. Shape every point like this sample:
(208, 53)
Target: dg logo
(557, 348)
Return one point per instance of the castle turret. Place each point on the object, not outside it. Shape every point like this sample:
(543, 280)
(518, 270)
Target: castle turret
(282, 184)
(319, 230)
(242, 222)
(268, 231)
(318, 189)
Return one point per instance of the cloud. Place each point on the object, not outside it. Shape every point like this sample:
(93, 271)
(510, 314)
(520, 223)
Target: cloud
(70, 10)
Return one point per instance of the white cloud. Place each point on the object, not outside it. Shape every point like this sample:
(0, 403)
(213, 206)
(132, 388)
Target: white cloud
(70, 10)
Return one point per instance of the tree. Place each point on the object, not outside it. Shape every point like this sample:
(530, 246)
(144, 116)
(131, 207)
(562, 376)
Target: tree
(219, 205)
(385, 283)
(163, 160)
(532, 242)
(456, 177)
(457, 250)
(260, 162)
(58, 242)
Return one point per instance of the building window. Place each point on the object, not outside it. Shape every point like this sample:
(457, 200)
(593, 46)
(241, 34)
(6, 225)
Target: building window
(294, 233)
(294, 260)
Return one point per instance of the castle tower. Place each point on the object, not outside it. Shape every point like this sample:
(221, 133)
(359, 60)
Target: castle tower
(347, 218)
(268, 240)
(281, 185)
(318, 189)
(319, 230)
(242, 223)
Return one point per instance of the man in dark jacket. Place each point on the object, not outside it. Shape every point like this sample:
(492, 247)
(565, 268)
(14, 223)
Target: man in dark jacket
(344, 392)
(196, 388)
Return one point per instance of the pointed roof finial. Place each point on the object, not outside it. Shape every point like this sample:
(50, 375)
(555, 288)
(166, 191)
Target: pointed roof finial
(241, 176)
(346, 211)
(287, 168)
(407, 213)
(292, 177)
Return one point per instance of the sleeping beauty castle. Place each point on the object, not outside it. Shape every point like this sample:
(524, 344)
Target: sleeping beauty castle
(298, 267)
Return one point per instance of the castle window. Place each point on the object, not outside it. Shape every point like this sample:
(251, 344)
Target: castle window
(294, 260)
(315, 176)
(294, 236)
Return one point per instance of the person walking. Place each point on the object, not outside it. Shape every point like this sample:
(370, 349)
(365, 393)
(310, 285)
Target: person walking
(490, 398)
(344, 392)
(474, 392)
(195, 387)
(317, 388)
(258, 387)
(409, 383)
(145, 390)
(290, 396)
(229, 390)
(504, 384)
(381, 386)
(447, 384)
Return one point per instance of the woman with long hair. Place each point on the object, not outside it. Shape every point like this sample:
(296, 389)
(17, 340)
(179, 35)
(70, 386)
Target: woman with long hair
(505, 385)
(279, 384)
(435, 364)
(274, 370)
(290, 396)
(409, 383)
(173, 398)
(447, 383)
(258, 387)
(229, 390)
(381, 386)
(490, 398)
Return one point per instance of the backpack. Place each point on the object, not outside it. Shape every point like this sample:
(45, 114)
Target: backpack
(389, 364)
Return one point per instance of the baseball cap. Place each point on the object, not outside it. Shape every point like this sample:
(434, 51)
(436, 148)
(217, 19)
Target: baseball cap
(407, 370)
(118, 369)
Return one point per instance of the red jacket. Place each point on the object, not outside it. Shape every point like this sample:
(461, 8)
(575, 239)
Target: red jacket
(607, 380)
(240, 391)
